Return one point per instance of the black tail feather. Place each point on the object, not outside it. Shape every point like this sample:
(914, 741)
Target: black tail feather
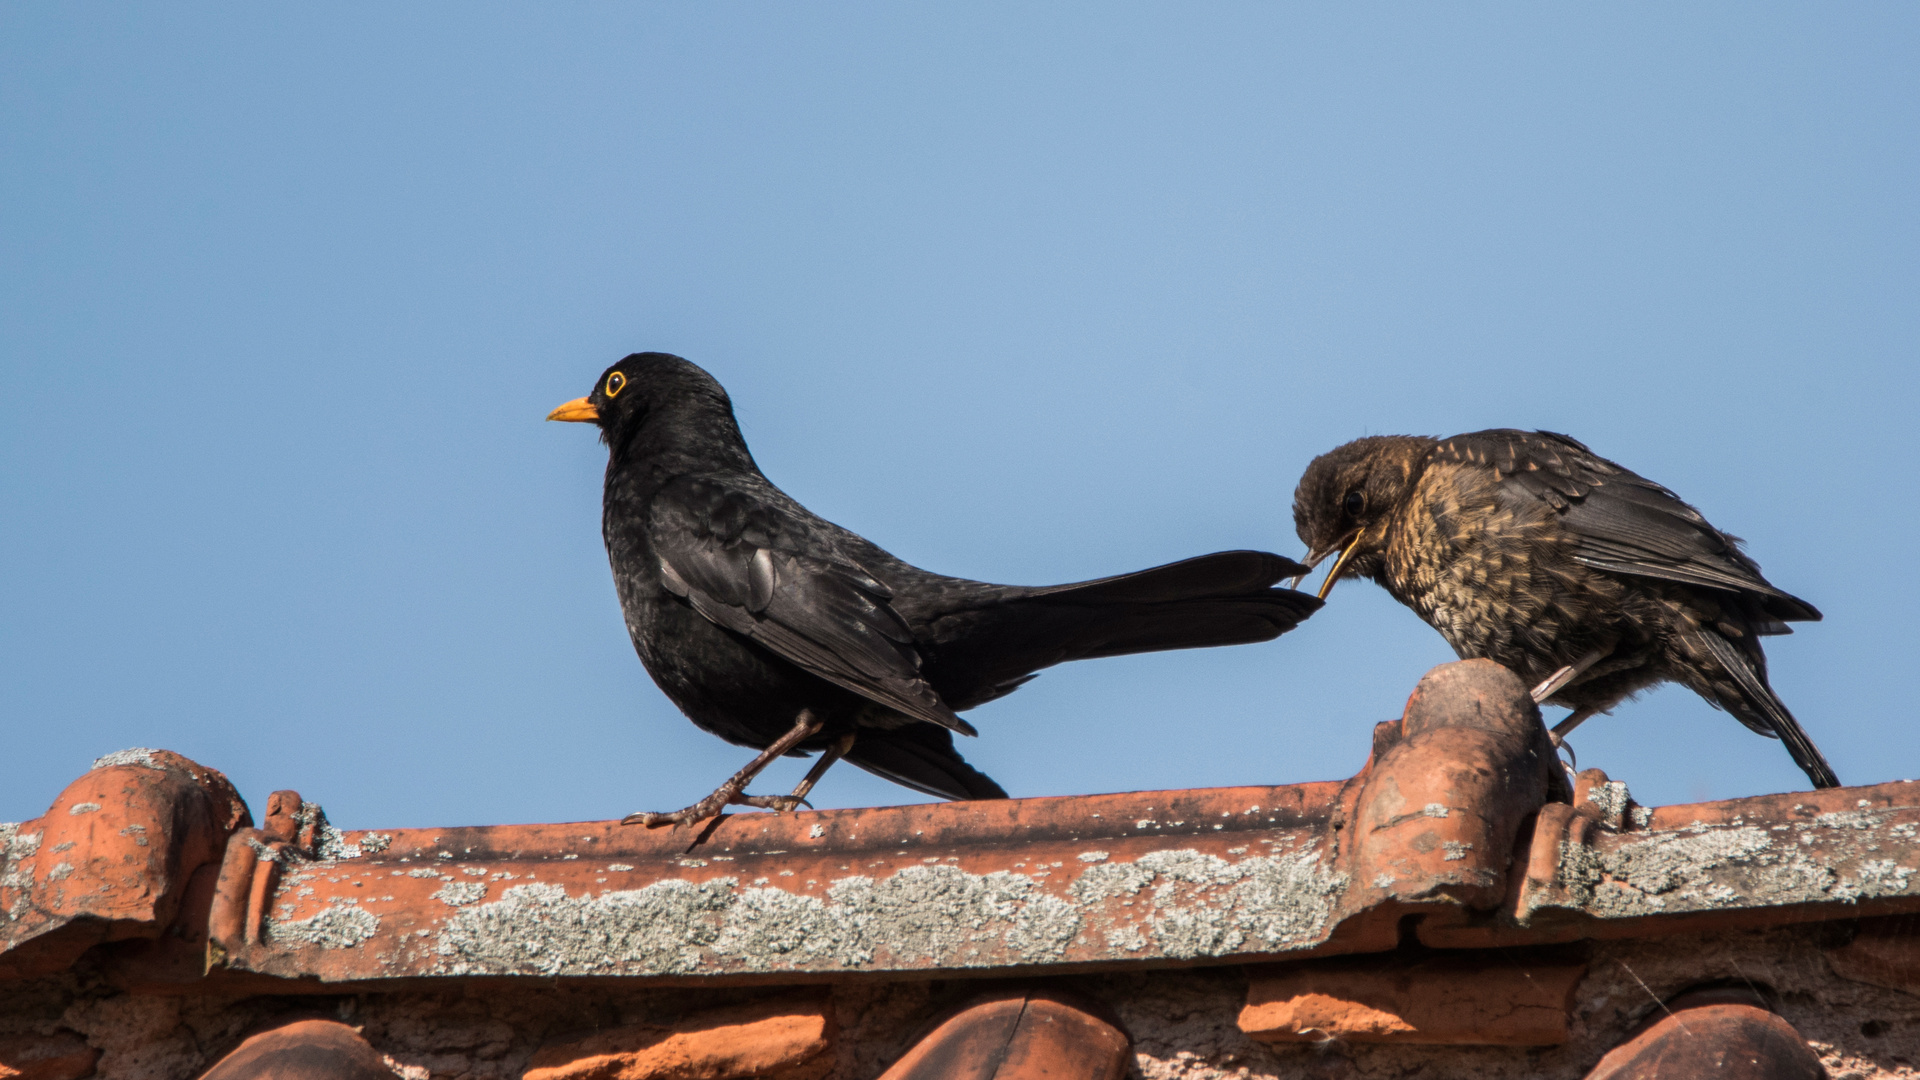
(1227, 598)
(1761, 706)
(922, 757)
(1223, 573)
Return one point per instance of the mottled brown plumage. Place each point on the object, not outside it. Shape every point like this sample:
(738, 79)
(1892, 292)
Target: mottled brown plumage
(1528, 549)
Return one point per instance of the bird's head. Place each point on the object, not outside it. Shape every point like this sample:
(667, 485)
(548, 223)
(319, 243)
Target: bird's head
(688, 407)
(1348, 495)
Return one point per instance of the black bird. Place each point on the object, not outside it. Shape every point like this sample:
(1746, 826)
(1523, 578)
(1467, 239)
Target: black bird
(1531, 550)
(774, 629)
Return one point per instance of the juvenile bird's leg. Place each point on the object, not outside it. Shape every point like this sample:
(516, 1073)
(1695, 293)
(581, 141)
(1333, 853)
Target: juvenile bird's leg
(1565, 727)
(729, 792)
(799, 797)
(1558, 735)
(1557, 681)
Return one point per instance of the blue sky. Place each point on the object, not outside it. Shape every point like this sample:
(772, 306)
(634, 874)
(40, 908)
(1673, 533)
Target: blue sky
(1029, 294)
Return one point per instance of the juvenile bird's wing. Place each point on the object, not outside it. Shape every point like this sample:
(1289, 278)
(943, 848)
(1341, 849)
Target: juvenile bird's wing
(777, 579)
(1621, 521)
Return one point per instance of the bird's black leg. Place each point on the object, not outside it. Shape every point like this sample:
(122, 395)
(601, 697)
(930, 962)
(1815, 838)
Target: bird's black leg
(729, 792)
(799, 797)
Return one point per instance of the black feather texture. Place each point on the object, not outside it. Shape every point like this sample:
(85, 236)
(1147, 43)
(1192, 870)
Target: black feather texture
(747, 609)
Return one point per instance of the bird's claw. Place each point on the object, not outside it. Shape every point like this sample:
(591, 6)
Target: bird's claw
(713, 805)
(1570, 765)
(777, 803)
(1563, 746)
(654, 821)
(692, 815)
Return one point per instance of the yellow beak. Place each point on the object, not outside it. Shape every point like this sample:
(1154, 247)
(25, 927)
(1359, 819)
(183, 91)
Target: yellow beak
(1340, 564)
(578, 411)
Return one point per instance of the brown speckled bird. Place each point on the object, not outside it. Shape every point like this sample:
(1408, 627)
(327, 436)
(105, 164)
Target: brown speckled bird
(1531, 550)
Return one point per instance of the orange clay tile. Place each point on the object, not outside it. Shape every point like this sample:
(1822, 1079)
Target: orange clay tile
(1725, 1034)
(778, 1039)
(1019, 1035)
(1440, 896)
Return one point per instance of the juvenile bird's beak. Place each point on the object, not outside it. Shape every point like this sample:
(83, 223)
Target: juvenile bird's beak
(579, 411)
(1346, 553)
(1314, 559)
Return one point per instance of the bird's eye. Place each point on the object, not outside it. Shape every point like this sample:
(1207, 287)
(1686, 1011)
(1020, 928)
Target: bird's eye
(616, 382)
(1355, 502)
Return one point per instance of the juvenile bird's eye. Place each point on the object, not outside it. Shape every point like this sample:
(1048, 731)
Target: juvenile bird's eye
(616, 382)
(1355, 502)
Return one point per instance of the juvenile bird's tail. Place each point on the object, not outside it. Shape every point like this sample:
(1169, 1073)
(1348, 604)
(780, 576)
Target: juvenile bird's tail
(1227, 598)
(1761, 709)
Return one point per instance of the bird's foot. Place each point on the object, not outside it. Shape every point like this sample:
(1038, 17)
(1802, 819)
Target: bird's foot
(732, 791)
(713, 805)
(1569, 765)
(1561, 744)
(698, 812)
(1557, 734)
(777, 803)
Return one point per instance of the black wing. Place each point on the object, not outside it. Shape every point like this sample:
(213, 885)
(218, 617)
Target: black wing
(1622, 521)
(771, 577)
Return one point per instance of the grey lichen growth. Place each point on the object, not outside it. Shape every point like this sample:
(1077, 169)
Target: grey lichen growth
(1203, 905)
(1674, 862)
(339, 926)
(1612, 800)
(1099, 883)
(136, 755)
(1875, 878)
(537, 929)
(1183, 904)
(82, 808)
(944, 915)
(16, 847)
(920, 915)
(9, 877)
(331, 844)
(460, 893)
(1287, 898)
(264, 853)
(777, 923)
(1702, 868)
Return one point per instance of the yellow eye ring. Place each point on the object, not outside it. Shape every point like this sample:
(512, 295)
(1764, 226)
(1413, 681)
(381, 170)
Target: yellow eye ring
(616, 382)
